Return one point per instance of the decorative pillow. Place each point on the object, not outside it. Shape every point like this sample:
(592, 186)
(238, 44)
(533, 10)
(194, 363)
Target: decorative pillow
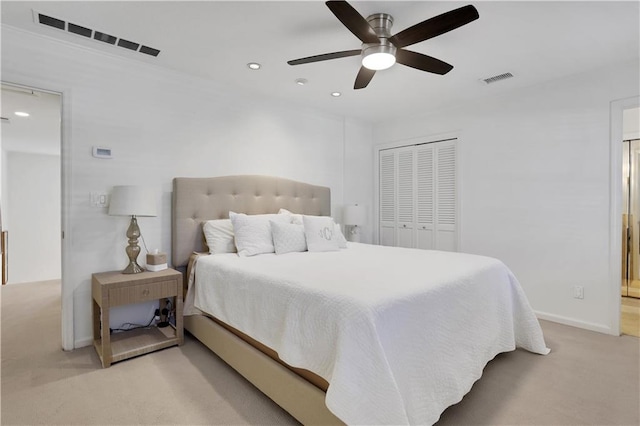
(295, 217)
(342, 241)
(253, 233)
(320, 232)
(219, 236)
(288, 237)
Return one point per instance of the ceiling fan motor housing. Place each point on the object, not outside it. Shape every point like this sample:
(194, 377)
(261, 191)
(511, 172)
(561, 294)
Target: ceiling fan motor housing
(381, 24)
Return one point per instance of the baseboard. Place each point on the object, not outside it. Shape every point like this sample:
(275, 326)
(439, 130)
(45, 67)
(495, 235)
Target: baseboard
(600, 328)
(81, 343)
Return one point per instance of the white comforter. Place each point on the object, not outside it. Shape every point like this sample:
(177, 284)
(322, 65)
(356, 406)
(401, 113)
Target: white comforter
(400, 334)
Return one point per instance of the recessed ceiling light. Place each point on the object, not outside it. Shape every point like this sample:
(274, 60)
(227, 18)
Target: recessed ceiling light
(21, 114)
(254, 65)
(336, 94)
(301, 81)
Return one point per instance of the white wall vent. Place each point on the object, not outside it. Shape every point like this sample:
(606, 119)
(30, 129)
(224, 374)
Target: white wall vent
(42, 19)
(497, 78)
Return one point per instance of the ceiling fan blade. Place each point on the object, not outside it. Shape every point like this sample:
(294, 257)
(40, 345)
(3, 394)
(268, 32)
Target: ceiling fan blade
(325, 57)
(435, 26)
(354, 22)
(364, 77)
(422, 62)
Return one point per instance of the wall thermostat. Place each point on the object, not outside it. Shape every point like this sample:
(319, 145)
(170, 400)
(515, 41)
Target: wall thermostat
(100, 152)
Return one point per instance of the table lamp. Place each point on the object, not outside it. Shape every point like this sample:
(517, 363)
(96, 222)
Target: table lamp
(353, 217)
(132, 201)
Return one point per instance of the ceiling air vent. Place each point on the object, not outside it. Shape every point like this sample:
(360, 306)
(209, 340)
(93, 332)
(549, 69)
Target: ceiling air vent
(128, 44)
(77, 29)
(497, 78)
(93, 34)
(104, 37)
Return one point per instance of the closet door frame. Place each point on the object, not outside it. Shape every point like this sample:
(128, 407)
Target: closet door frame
(439, 137)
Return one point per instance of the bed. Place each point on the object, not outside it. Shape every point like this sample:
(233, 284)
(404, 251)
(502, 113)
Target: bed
(361, 335)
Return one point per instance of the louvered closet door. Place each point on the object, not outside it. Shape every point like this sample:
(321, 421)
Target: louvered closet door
(387, 187)
(425, 192)
(445, 196)
(406, 197)
(418, 200)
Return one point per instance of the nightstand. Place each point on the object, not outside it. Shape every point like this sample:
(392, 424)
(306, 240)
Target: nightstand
(109, 289)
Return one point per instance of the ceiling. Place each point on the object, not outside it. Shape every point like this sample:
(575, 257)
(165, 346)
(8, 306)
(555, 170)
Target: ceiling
(535, 41)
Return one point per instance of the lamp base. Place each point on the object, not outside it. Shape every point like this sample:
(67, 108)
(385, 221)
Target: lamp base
(353, 235)
(133, 232)
(133, 268)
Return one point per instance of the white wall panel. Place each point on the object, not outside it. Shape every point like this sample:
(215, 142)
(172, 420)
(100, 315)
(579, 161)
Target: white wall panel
(358, 172)
(33, 222)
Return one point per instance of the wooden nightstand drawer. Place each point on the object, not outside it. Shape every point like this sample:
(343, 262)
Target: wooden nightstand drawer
(142, 293)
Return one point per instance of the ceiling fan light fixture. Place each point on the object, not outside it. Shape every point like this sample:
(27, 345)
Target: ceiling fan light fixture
(379, 57)
(379, 47)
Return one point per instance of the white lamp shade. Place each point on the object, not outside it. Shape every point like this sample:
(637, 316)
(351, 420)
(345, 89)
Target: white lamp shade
(354, 215)
(131, 200)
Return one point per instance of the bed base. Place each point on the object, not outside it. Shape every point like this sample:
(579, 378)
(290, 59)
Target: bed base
(297, 396)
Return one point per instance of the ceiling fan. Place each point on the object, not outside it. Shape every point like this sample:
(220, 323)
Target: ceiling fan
(380, 50)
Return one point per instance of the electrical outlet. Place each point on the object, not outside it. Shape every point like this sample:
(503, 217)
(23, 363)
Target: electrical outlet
(578, 292)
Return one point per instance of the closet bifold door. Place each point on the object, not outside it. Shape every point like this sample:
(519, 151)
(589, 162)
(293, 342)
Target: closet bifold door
(406, 197)
(425, 192)
(417, 195)
(445, 197)
(387, 196)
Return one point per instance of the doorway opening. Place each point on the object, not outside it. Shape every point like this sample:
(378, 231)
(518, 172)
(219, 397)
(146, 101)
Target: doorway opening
(630, 279)
(631, 218)
(31, 184)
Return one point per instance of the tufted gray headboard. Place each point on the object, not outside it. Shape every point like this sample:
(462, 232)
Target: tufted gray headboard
(196, 200)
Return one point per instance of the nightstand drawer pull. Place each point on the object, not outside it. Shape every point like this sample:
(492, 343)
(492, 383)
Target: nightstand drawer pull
(145, 292)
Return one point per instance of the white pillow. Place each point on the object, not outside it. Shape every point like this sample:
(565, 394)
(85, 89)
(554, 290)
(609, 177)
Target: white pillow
(342, 241)
(288, 237)
(320, 232)
(295, 217)
(253, 233)
(219, 236)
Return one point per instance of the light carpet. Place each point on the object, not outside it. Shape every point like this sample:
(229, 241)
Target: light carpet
(588, 379)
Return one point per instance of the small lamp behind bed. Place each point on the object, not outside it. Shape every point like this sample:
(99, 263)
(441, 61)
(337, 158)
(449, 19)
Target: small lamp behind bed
(132, 201)
(353, 217)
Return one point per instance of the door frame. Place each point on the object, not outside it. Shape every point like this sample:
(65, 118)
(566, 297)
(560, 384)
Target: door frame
(615, 207)
(66, 297)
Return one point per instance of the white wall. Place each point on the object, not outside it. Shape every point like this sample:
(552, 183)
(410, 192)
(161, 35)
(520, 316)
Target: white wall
(535, 170)
(358, 172)
(631, 123)
(161, 124)
(33, 221)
